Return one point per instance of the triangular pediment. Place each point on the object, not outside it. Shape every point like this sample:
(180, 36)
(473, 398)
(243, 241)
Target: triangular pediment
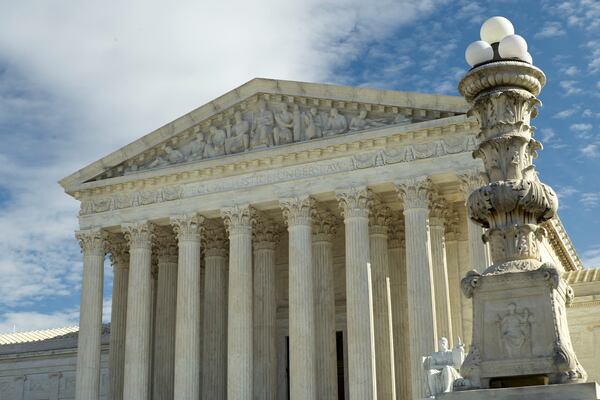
(266, 113)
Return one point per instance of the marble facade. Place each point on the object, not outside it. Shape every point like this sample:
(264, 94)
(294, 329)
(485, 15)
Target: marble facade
(286, 239)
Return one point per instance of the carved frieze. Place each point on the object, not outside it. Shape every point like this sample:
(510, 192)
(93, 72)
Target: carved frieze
(266, 121)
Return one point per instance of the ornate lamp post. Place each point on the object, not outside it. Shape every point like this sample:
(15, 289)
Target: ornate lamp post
(520, 331)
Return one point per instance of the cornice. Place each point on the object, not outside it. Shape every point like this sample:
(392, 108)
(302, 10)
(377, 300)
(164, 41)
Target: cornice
(562, 245)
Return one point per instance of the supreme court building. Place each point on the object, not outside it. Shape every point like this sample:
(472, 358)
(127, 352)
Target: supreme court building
(286, 240)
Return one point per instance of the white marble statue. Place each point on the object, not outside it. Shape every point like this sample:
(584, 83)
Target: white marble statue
(238, 135)
(297, 129)
(336, 123)
(171, 156)
(215, 145)
(313, 126)
(360, 122)
(262, 126)
(442, 367)
(282, 133)
(194, 150)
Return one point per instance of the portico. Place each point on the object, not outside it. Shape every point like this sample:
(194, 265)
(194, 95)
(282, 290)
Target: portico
(334, 254)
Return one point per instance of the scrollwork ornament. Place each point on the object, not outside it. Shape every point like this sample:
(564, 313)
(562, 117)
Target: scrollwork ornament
(92, 241)
(354, 202)
(187, 226)
(238, 219)
(415, 192)
(297, 210)
(140, 235)
(470, 282)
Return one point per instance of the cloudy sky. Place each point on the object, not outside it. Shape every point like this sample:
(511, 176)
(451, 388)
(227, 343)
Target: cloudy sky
(79, 79)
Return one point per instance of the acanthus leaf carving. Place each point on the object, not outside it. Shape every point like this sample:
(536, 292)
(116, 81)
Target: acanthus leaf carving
(354, 201)
(415, 192)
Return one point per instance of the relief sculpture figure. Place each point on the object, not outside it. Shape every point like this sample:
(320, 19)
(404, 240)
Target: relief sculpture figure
(194, 150)
(336, 123)
(515, 331)
(215, 145)
(360, 122)
(171, 156)
(313, 126)
(442, 368)
(262, 127)
(282, 133)
(238, 135)
(297, 124)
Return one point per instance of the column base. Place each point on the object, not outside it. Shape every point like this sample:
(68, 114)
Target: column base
(577, 391)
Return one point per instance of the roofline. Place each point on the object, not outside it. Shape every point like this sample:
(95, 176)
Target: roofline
(269, 86)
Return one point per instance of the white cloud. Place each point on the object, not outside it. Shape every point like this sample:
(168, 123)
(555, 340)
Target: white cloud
(564, 192)
(565, 113)
(582, 130)
(590, 150)
(591, 257)
(590, 200)
(550, 30)
(29, 321)
(570, 70)
(569, 87)
(82, 79)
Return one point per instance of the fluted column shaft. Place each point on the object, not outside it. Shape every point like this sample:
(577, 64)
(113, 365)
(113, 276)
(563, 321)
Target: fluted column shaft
(266, 235)
(238, 221)
(297, 213)
(399, 296)
(379, 220)
(439, 209)
(359, 296)
(478, 249)
(139, 312)
(415, 194)
(165, 319)
(118, 320)
(214, 370)
(188, 355)
(93, 246)
(324, 229)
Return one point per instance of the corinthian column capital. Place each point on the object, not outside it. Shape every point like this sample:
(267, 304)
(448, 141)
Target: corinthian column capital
(266, 233)
(438, 211)
(380, 217)
(471, 181)
(187, 226)
(119, 251)
(354, 201)
(215, 239)
(297, 210)
(140, 235)
(238, 219)
(166, 245)
(415, 192)
(324, 225)
(396, 230)
(92, 241)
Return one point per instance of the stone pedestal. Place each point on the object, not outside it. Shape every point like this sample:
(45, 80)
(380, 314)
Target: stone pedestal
(580, 391)
(520, 329)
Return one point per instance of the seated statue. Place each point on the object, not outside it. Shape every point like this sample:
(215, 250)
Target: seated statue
(215, 145)
(442, 367)
(336, 123)
(195, 149)
(239, 135)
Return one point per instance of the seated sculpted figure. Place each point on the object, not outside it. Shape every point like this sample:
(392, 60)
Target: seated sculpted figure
(442, 367)
(336, 123)
(194, 150)
(215, 145)
(282, 133)
(171, 156)
(238, 138)
(262, 126)
(313, 126)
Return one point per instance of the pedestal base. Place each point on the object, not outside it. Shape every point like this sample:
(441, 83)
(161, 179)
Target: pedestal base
(575, 391)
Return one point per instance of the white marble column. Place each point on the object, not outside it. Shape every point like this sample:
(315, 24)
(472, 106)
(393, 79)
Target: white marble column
(324, 230)
(437, 214)
(359, 296)
(379, 221)
(188, 354)
(479, 251)
(297, 213)
(399, 295)
(415, 194)
(266, 236)
(452, 234)
(119, 256)
(214, 370)
(165, 322)
(93, 245)
(139, 311)
(238, 221)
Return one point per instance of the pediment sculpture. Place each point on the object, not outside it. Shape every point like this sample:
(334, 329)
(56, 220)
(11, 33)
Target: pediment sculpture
(261, 125)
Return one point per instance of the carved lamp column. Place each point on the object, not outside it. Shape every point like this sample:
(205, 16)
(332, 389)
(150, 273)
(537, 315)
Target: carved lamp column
(520, 331)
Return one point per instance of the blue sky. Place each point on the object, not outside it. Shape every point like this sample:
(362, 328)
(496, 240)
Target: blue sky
(81, 79)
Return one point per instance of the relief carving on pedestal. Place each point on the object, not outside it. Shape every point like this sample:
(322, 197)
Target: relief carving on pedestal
(515, 331)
